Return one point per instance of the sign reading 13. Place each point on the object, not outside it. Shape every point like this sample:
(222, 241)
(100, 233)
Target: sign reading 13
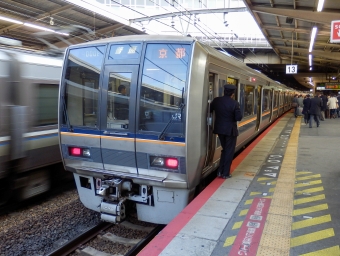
(291, 69)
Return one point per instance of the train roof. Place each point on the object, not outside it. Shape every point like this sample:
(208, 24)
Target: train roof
(137, 38)
(30, 57)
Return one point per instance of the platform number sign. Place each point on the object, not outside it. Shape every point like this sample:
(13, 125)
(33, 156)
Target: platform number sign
(291, 69)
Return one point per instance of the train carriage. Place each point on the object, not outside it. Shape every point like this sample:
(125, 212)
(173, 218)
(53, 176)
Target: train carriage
(29, 86)
(153, 144)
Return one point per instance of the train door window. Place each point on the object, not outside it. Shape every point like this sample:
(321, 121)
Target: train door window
(118, 95)
(249, 100)
(276, 94)
(47, 104)
(266, 101)
(221, 84)
(233, 81)
(163, 87)
(82, 83)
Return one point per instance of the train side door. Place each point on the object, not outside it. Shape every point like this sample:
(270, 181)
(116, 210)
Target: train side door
(118, 118)
(259, 107)
(210, 136)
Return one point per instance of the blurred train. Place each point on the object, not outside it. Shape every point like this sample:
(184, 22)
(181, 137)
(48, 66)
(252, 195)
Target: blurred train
(134, 120)
(29, 86)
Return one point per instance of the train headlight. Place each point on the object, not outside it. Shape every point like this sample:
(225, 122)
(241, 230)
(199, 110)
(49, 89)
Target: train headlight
(164, 162)
(157, 161)
(86, 152)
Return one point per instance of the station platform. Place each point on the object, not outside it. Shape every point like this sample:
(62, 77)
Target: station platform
(283, 199)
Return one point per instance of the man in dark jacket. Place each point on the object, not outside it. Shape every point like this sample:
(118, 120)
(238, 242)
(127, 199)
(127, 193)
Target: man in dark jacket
(315, 110)
(324, 106)
(227, 113)
(306, 103)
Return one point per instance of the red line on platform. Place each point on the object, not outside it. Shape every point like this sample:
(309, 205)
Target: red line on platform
(248, 238)
(157, 245)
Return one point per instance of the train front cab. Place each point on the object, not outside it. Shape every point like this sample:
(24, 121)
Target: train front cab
(127, 146)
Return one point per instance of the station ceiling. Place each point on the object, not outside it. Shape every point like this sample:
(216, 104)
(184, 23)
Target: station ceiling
(286, 25)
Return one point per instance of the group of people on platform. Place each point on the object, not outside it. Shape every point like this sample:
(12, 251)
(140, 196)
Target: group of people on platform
(317, 108)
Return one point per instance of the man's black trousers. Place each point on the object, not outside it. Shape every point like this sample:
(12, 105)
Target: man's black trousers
(228, 144)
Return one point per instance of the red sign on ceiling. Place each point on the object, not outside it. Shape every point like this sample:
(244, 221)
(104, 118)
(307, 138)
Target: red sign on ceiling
(335, 31)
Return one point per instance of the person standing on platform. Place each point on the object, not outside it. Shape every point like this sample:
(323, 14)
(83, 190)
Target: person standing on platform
(295, 104)
(305, 113)
(324, 107)
(227, 113)
(332, 105)
(300, 104)
(314, 110)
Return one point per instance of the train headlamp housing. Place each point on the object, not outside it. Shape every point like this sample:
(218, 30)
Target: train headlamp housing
(164, 162)
(79, 152)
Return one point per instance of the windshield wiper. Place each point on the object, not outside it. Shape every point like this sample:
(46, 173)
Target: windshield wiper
(69, 127)
(180, 107)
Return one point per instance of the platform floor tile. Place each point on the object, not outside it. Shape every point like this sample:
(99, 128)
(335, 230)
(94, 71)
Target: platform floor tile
(218, 208)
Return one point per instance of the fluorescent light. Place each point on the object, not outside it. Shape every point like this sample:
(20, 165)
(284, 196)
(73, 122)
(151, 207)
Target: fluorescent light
(38, 27)
(312, 38)
(11, 20)
(310, 59)
(310, 68)
(320, 5)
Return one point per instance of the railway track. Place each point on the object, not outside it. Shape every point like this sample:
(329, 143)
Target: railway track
(82, 243)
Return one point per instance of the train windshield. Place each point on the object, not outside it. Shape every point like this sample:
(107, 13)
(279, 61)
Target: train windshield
(82, 86)
(164, 78)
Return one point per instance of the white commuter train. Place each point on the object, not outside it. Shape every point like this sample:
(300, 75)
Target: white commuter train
(29, 86)
(151, 145)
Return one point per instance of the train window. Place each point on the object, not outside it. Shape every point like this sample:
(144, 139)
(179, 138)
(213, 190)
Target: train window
(82, 83)
(249, 100)
(266, 102)
(118, 100)
(124, 51)
(276, 99)
(47, 104)
(221, 84)
(163, 87)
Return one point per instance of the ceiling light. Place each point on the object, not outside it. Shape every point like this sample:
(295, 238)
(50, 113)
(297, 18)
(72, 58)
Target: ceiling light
(310, 68)
(320, 5)
(310, 59)
(11, 20)
(312, 38)
(37, 27)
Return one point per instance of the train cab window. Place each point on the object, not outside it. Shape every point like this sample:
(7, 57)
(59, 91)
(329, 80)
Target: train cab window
(163, 87)
(81, 85)
(47, 104)
(266, 101)
(118, 95)
(249, 100)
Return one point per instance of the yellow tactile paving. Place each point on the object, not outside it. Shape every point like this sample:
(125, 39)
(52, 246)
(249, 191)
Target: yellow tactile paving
(276, 235)
(268, 251)
(311, 222)
(331, 251)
